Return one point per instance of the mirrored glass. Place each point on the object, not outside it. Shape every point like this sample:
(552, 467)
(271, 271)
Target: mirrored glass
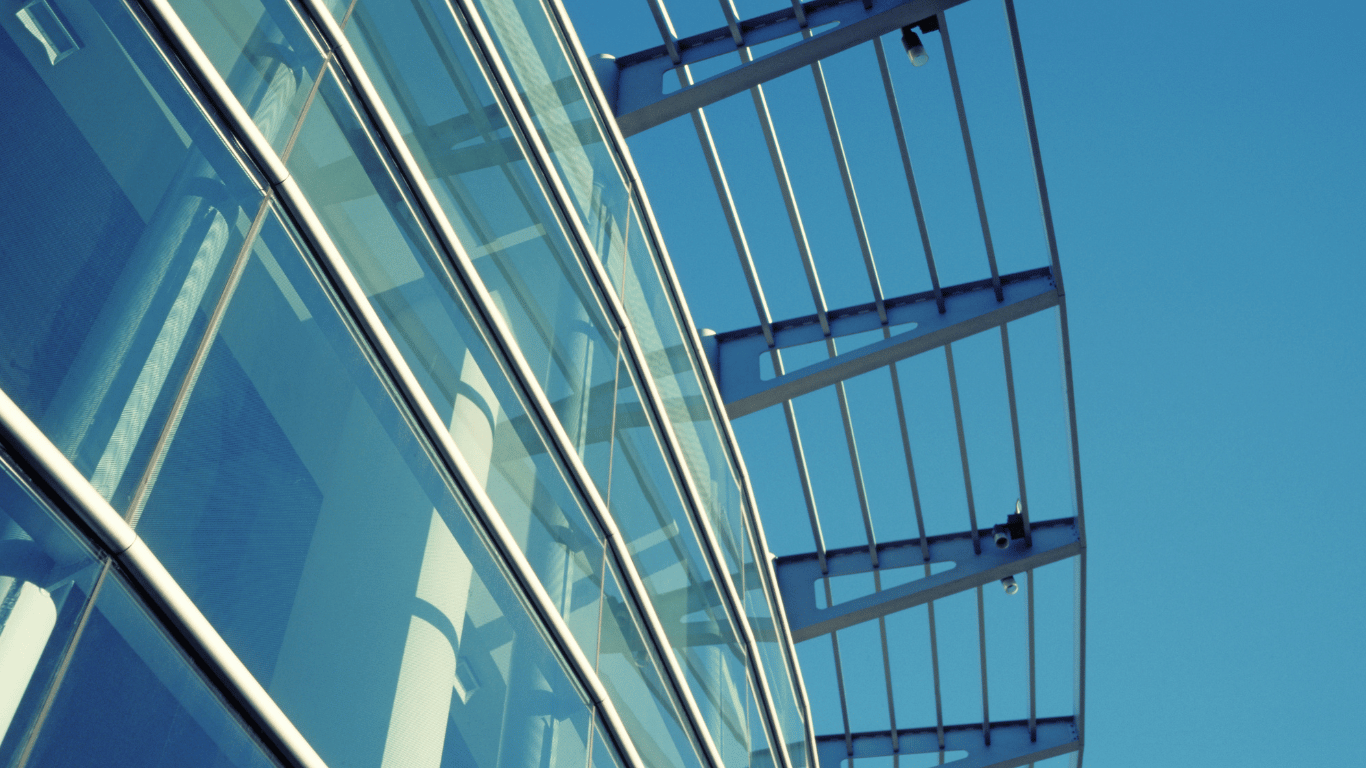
(129, 697)
(420, 59)
(381, 237)
(763, 624)
(531, 47)
(300, 512)
(643, 701)
(261, 50)
(664, 547)
(112, 257)
(46, 575)
(672, 367)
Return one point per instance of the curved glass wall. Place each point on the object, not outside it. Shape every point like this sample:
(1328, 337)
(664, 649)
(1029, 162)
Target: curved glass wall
(163, 325)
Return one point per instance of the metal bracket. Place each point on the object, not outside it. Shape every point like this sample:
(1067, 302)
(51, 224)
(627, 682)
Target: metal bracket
(639, 80)
(1012, 743)
(797, 574)
(968, 309)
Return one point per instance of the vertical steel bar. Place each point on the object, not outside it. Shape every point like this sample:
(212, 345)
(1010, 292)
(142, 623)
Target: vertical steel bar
(1015, 433)
(982, 645)
(962, 447)
(972, 157)
(900, 131)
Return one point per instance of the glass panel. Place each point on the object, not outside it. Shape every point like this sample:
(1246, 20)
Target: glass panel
(656, 527)
(298, 510)
(263, 53)
(766, 635)
(130, 698)
(381, 238)
(643, 700)
(46, 574)
(530, 45)
(603, 756)
(420, 60)
(679, 384)
(131, 214)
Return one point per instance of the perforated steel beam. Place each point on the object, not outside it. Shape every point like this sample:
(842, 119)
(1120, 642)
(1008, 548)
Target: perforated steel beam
(968, 309)
(1011, 743)
(637, 85)
(976, 561)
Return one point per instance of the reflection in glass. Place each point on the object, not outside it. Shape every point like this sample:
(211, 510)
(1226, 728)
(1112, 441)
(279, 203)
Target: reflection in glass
(129, 697)
(112, 256)
(46, 575)
(308, 523)
(478, 171)
(545, 77)
(644, 703)
(382, 239)
(262, 52)
(658, 532)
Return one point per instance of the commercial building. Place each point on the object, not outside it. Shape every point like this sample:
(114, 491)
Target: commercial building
(352, 415)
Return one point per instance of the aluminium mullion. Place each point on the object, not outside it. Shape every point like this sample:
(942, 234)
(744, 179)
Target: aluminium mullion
(454, 250)
(1015, 434)
(847, 179)
(900, 132)
(120, 543)
(632, 347)
(768, 576)
(887, 667)
(794, 216)
(982, 647)
(732, 214)
(839, 678)
(732, 23)
(855, 465)
(1033, 689)
(962, 448)
(300, 210)
(967, 150)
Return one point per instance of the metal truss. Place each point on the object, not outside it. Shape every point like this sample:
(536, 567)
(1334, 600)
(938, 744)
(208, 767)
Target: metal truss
(966, 310)
(1003, 745)
(640, 99)
(974, 566)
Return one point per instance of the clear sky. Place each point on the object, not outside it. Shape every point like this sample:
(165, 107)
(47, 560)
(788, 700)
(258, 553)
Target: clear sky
(1207, 168)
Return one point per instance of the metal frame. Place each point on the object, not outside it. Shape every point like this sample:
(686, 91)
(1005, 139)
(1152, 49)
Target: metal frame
(676, 53)
(968, 309)
(641, 103)
(1053, 540)
(1015, 743)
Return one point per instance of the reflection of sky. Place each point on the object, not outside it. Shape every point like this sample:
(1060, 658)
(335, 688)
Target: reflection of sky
(1205, 178)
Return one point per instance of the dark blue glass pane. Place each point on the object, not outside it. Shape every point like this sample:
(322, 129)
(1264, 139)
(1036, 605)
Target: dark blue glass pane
(46, 574)
(122, 217)
(130, 698)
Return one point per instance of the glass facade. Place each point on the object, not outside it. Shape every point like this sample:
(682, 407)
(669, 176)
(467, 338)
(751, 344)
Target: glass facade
(374, 431)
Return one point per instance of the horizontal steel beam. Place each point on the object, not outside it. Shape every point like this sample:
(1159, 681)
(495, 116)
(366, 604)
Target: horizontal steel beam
(968, 309)
(639, 78)
(798, 574)
(1011, 743)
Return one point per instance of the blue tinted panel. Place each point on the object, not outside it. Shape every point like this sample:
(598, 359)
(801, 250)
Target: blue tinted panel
(261, 50)
(548, 82)
(658, 531)
(130, 698)
(114, 253)
(299, 511)
(46, 574)
(644, 702)
(382, 239)
(432, 85)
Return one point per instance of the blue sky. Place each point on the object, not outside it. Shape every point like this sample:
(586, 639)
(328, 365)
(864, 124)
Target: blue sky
(1207, 171)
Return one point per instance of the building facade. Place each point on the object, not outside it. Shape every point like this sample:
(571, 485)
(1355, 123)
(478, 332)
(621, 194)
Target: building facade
(350, 412)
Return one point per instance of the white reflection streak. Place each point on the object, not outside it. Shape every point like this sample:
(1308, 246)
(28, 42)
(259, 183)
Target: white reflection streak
(152, 378)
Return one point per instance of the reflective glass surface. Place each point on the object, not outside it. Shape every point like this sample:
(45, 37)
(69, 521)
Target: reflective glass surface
(261, 50)
(419, 57)
(298, 510)
(643, 699)
(656, 527)
(382, 239)
(113, 254)
(129, 697)
(531, 47)
(46, 575)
